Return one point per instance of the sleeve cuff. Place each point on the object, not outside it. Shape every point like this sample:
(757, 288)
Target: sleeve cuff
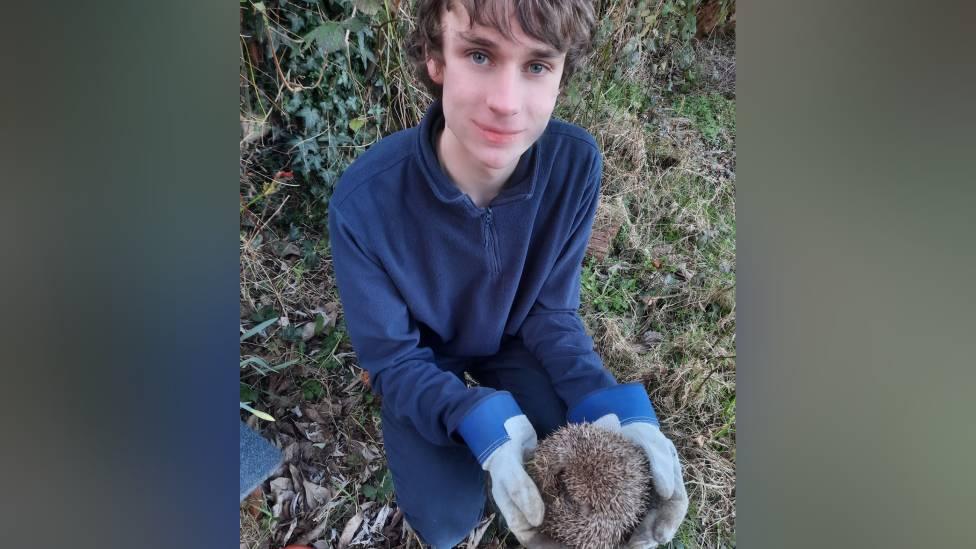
(483, 428)
(628, 401)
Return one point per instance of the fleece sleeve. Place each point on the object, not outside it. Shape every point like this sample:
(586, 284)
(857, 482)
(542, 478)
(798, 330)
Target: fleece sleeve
(386, 340)
(554, 333)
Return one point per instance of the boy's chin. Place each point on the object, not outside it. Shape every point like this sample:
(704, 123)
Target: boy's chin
(496, 160)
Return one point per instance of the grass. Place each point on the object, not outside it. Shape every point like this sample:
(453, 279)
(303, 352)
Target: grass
(660, 307)
(713, 115)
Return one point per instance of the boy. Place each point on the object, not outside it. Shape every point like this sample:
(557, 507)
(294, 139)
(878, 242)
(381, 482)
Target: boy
(457, 247)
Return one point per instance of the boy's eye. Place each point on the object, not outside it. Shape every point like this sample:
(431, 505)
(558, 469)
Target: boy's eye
(479, 58)
(537, 68)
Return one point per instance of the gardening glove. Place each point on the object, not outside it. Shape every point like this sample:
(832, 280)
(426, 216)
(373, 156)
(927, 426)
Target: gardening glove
(514, 493)
(662, 521)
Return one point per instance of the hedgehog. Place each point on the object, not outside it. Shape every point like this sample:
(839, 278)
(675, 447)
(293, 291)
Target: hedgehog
(595, 484)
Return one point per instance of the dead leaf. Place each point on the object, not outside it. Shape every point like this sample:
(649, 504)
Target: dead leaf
(648, 341)
(279, 485)
(316, 495)
(652, 338)
(475, 538)
(380, 519)
(650, 300)
(368, 454)
(281, 488)
(329, 312)
(279, 383)
(289, 249)
(308, 331)
(253, 502)
(350, 530)
(291, 530)
(312, 431)
(313, 414)
(296, 477)
(290, 452)
(392, 531)
(684, 273)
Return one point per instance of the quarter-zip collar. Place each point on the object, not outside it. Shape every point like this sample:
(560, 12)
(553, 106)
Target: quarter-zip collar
(520, 185)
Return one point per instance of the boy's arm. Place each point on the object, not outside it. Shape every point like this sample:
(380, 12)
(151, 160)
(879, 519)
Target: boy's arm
(386, 339)
(554, 333)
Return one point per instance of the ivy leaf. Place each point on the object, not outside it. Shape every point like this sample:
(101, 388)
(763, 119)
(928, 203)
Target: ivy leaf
(369, 7)
(248, 393)
(310, 117)
(329, 36)
(353, 24)
(357, 123)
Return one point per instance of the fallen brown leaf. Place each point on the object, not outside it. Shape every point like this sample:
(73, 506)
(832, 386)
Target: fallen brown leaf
(475, 538)
(281, 487)
(296, 477)
(350, 530)
(314, 415)
(254, 502)
(316, 495)
(652, 338)
(291, 452)
(388, 531)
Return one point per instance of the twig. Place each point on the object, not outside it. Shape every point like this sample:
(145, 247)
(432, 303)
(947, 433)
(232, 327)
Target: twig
(284, 78)
(265, 223)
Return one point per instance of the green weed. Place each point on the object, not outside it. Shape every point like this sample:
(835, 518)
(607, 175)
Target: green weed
(312, 390)
(607, 292)
(713, 115)
(380, 489)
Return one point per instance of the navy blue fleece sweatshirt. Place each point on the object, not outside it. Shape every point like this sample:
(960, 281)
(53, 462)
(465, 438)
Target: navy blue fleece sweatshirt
(423, 272)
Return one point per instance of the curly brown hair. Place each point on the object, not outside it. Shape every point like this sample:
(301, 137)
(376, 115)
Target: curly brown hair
(566, 25)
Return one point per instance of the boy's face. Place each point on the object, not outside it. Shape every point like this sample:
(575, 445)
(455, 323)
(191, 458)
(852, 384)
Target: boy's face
(498, 94)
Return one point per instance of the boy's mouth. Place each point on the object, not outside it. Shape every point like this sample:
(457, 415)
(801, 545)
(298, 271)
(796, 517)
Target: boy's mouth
(497, 135)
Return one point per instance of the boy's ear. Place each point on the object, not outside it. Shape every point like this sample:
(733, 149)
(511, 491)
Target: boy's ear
(435, 69)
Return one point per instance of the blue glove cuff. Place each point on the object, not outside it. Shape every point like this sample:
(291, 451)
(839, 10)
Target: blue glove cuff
(628, 401)
(483, 428)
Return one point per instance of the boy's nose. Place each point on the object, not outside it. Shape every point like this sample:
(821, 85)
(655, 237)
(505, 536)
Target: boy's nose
(504, 96)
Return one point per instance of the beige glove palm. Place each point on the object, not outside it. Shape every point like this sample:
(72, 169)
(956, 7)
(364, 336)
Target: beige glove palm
(516, 496)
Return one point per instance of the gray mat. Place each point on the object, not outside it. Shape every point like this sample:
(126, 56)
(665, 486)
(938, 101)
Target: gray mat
(259, 458)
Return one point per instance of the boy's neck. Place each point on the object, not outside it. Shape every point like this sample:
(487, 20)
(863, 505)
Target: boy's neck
(480, 183)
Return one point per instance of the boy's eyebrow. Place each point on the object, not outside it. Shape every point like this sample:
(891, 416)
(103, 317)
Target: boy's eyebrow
(476, 40)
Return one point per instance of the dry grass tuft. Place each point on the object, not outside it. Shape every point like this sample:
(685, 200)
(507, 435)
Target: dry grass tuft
(716, 59)
(252, 535)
